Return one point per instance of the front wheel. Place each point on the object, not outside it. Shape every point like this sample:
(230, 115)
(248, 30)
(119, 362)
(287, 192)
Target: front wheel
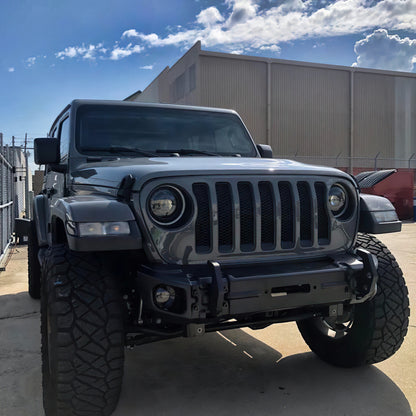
(82, 335)
(374, 330)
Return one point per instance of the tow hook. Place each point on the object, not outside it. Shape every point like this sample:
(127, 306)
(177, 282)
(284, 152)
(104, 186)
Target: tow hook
(365, 284)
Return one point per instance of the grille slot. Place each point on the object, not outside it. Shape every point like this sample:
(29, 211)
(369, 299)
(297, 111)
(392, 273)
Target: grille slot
(288, 213)
(306, 233)
(268, 216)
(247, 224)
(225, 216)
(203, 223)
(323, 219)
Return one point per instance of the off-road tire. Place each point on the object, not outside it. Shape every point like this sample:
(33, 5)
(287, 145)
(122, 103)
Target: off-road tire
(82, 335)
(33, 265)
(378, 325)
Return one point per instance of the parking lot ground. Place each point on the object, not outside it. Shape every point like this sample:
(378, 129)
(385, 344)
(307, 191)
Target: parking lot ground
(265, 372)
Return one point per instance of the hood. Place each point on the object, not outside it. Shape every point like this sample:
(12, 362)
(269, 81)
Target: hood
(109, 173)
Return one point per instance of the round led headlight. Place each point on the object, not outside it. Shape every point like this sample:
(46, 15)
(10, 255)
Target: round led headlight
(166, 205)
(337, 200)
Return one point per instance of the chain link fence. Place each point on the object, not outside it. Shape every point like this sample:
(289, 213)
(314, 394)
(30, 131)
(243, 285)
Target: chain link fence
(6, 195)
(345, 162)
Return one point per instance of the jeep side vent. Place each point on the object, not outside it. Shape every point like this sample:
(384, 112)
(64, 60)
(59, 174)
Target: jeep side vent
(305, 201)
(268, 216)
(203, 224)
(288, 213)
(323, 220)
(247, 218)
(225, 217)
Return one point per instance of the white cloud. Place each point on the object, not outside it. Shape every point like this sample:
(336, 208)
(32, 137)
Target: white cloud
(119, 52)
(245, 25)
(147, 67)
(241, 11)
(85, 52)
(30, 61)
(11, 69)
(384, 51)
(132, 33)
(209, 16)
(272, 48)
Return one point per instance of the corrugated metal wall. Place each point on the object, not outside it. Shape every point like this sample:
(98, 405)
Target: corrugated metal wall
(299, 108)
(176, 85)
(405, 117)
(374, 110)
(237, 84)
(310, 111)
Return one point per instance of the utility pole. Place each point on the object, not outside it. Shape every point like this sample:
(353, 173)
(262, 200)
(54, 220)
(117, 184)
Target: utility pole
(27, 210)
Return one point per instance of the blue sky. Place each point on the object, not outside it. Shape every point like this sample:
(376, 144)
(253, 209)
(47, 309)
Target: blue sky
(54, 51)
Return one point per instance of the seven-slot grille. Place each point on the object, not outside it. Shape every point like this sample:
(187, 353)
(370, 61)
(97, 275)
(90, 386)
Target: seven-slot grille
(248, 216)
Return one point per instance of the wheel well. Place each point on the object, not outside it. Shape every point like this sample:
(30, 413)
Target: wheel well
(58, 232)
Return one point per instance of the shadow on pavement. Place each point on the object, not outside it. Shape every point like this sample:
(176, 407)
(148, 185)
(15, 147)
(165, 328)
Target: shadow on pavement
(20, 375)
(231, 373)
(241, 375)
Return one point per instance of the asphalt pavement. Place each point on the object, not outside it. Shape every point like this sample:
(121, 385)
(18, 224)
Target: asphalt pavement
(244, 372)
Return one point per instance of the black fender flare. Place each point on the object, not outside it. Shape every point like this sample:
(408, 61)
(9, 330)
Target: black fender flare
(40, 209)
(96, 208)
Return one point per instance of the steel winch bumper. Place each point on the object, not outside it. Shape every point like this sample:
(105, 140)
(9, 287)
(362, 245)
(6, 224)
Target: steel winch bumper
(214, 292)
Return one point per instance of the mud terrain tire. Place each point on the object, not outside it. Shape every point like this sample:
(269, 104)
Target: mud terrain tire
(82, 335)
(378, 326)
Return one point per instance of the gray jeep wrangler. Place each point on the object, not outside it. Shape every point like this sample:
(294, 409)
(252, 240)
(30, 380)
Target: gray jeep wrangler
(160, 221)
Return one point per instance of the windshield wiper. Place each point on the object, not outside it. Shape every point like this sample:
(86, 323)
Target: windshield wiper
(187, 152)
(115, 149)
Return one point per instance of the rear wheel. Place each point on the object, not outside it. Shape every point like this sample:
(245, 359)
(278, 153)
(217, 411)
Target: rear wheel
(82, 335)
(374, 330)
(34, 272)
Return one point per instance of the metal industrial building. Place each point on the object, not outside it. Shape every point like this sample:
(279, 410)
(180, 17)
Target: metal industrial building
(332, 115)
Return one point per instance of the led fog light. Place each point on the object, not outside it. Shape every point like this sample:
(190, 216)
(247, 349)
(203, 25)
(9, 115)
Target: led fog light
(164, 296)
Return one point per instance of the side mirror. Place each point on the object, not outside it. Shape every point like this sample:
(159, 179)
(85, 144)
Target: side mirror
(265, 151)
(46, 151)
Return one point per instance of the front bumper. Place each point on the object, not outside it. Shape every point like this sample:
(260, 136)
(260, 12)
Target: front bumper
(213, 292)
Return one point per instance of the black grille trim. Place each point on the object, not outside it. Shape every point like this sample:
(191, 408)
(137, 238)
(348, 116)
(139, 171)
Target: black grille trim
(287, 231)
(323, 218)
(225, 217)
(260, 215)
(268, 216)
(306, 218)
(247, 216)
(203, 223)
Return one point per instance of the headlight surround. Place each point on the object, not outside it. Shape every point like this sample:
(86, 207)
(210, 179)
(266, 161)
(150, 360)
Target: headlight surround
(337, 200)
(166, 205)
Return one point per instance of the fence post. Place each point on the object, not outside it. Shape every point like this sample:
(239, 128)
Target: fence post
(336, 159)
(375, 160)
(410, 159)
(1, 194)
(27, 210)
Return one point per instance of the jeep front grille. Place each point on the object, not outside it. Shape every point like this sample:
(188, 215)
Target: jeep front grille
(247, 216)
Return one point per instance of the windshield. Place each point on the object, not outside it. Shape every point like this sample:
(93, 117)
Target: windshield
(160, 131)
